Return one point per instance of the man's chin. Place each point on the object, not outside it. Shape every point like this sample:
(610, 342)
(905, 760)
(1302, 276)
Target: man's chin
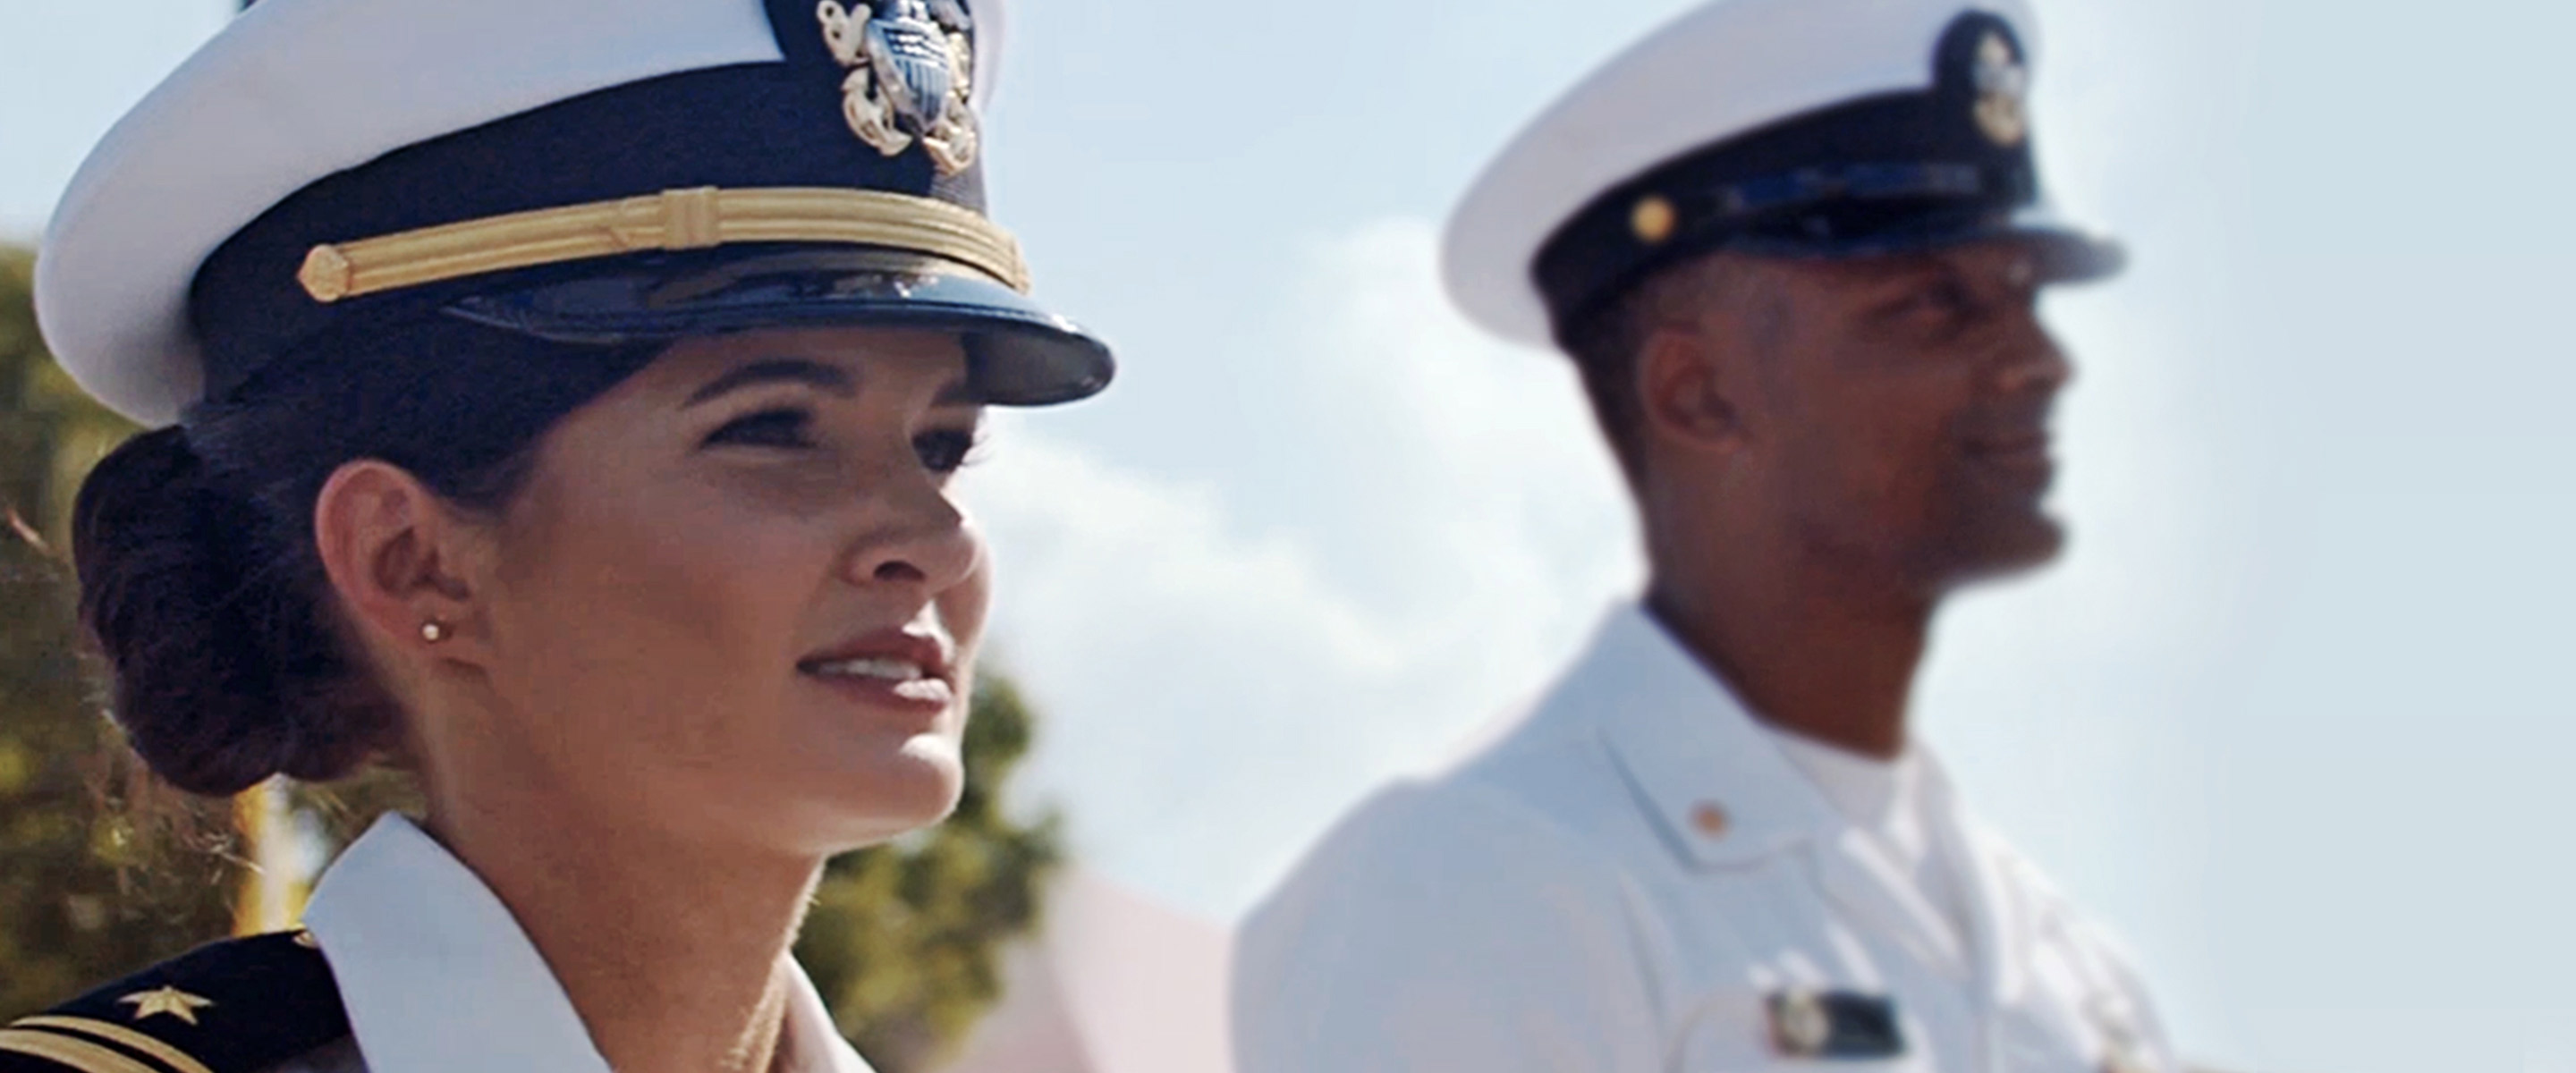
(2001, 551)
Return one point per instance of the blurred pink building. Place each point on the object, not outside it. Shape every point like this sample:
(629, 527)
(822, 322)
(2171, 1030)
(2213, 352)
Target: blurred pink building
(1117, 984)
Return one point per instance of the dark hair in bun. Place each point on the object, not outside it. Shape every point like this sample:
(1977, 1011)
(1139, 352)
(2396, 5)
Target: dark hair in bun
(199, 574)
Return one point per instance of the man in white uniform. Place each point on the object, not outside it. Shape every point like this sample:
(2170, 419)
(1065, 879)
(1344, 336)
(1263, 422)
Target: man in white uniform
(1795, 248)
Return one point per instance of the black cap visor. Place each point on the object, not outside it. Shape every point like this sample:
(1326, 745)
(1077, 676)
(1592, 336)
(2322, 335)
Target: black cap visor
(2066, 254)
(1018, 353)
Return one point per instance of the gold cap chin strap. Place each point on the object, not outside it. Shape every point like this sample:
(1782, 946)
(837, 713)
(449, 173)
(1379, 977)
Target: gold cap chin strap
(697, 219)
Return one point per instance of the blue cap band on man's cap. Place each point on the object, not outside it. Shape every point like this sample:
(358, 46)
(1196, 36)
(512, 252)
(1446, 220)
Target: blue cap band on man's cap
(1785, 128)
(1888, 174)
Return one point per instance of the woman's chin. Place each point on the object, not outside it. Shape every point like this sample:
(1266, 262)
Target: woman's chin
(894, 794)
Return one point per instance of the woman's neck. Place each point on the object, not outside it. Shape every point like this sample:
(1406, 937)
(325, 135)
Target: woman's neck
(675, 956)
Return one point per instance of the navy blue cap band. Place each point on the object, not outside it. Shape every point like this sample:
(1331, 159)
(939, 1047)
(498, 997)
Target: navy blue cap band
(756, 130)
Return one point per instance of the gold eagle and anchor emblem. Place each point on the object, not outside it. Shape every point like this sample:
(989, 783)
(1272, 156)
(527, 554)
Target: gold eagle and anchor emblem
(912, 76)
(2003, 91)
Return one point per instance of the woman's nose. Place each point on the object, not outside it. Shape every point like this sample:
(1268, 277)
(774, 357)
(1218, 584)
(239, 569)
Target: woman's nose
(919, 538)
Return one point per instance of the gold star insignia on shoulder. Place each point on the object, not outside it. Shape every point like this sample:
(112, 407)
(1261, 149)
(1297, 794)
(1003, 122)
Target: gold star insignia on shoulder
(169, 1000)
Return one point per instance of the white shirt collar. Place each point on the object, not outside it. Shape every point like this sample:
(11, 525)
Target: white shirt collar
(1718, 787)
(1711, 776)
(1868, 791)
(1716, 784)
(437, 976)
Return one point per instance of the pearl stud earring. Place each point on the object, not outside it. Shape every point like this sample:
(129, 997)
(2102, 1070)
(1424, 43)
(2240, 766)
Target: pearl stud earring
(433, 632)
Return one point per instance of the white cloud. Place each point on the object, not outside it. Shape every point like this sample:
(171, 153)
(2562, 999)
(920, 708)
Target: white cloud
(1214, 696)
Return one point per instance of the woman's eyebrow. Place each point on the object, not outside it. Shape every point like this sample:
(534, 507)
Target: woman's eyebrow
(774, 370)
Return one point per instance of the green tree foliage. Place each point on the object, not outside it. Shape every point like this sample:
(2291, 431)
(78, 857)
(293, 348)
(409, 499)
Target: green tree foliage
(103, 872)
(77, 904)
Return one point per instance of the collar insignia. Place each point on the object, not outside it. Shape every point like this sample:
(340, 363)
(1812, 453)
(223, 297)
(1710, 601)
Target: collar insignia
(166, 1000)
(912, 69)
(2003, 91)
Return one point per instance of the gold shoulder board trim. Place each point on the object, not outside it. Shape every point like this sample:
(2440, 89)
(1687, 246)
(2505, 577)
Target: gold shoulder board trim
(71, 1051)
(696, 219)
(178, 1060)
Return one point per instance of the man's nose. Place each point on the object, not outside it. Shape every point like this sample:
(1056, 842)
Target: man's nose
(2033, 361)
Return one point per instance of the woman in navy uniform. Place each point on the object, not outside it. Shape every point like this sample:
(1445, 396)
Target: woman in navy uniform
(558, 401)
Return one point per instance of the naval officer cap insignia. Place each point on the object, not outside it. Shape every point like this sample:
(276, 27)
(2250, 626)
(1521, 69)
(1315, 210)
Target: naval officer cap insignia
(325, 171)
(1787, 128)
(912, 70)
(1835, 1025)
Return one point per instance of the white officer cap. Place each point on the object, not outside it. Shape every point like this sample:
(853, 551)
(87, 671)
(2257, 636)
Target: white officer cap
(325, 169)
(1826, 128)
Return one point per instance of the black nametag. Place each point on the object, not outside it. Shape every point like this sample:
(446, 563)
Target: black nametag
(1835, 1024)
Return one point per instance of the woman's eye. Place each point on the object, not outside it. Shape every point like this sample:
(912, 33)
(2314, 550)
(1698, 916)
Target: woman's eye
(769, 428)
(944, 452)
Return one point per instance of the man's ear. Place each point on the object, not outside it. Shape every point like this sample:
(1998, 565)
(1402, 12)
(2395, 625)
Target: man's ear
(1689, 393)
(395, 553)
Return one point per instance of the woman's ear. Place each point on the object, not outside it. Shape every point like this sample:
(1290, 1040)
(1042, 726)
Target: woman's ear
(397, 555)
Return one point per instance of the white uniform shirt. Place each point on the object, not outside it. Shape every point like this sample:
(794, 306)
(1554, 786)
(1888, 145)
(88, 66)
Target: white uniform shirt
(1625, 881)
(1897, 802)
(437, 977)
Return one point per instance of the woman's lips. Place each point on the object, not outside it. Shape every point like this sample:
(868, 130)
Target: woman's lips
(903, 670)
(913, 696)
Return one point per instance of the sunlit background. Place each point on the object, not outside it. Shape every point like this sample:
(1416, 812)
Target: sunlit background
(2290, 716)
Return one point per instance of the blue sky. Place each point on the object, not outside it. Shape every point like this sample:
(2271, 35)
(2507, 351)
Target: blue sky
(2291, 715)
